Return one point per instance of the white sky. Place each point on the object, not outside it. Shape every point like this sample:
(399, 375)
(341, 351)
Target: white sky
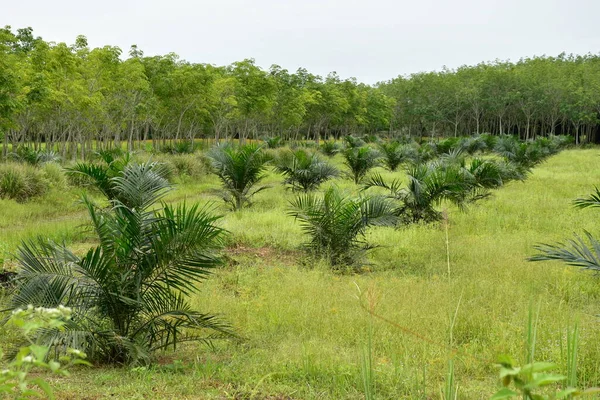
(371, 40)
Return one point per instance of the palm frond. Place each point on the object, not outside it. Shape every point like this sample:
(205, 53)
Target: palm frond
(593, 200)
(574, 252)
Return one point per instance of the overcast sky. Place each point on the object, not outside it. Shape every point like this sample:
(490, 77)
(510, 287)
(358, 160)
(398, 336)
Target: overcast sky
(371, 40)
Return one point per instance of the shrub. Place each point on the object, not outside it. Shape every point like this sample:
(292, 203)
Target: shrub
(447, 179)
(489, 140)
(21, 182)
(239, 169)
(109, 155)
(183, 165)
(14, 379)
(336, 224)
(426, 152)
(371, 138)
(304, 171)
(55, 175)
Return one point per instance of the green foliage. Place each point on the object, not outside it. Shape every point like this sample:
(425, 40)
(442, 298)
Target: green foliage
(129, 293)
(15, 380)
(476, 144)
(427, 152)
(304, 171)
(371, 138)
(273, 142)
(531, 381)
(54, 174)
(576, 252)
(353, 142)
(34, 157)
(239, 169)
(180, 147)
(70, 97)
(447, 145)
(528, 154)
(111, 177)
(428, 185)
(22, 182)
(101, 176)
(183, 165)
(330, 148)
(395, 154)
(336, 224)
(313, 340)
(360, 160)
(450, 179)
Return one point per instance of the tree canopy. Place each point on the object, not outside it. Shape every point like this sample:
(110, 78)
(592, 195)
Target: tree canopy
(76, 98)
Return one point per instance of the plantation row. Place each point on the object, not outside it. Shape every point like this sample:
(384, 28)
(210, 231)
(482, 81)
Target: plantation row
(302, 167)
(74, 100)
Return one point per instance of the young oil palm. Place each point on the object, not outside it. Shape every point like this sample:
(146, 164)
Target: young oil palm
(102, 175)
(34, 157)
(240, 169)
(395, 153)
(360, 160)
(304, 171)
(330, 148)
(336, 224)
(428, 185)
(353, 142)
(525, 154)
(128, 293)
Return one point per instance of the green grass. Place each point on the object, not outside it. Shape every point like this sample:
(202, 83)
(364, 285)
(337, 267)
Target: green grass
(304, 331)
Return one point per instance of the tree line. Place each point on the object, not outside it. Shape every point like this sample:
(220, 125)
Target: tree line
(76, 99)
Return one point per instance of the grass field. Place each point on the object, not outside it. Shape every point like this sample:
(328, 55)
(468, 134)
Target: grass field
(305, 331)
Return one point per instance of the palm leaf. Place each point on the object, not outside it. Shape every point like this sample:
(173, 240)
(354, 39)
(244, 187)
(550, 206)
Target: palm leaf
(574, 252)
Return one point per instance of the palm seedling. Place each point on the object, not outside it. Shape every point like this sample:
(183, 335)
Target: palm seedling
(240, 169)
(486, 174)
(473, 144)
(336, 224)
(524, 154)
(34, 157)
(452, 157)
(448, 145)
(304, 171)
(428, 185)
(426, 152)
(103, 176)
(360, 160)
(371, 138)
(273, 142)
(129, 293)
(330, 148)
(394, 154)
(353, 142)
